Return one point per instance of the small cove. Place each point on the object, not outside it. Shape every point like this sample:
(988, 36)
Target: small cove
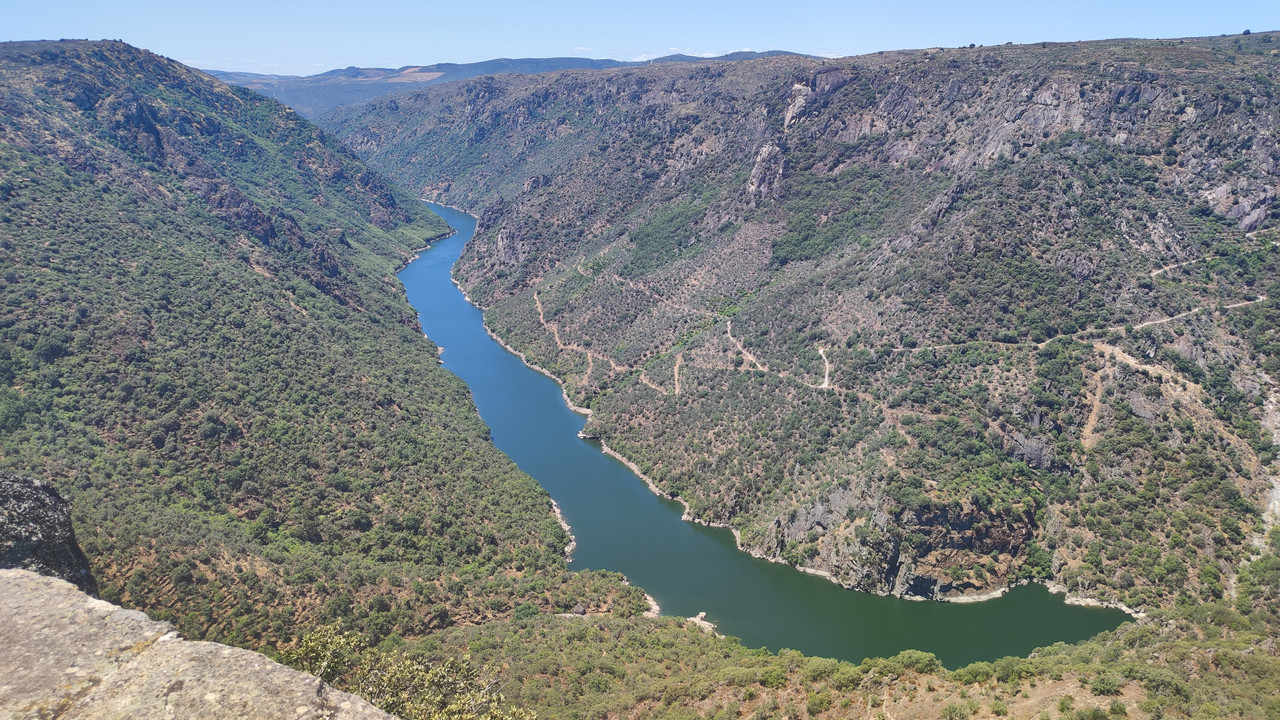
(620, 525)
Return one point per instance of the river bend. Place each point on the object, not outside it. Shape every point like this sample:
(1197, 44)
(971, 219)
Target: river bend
(620, 525)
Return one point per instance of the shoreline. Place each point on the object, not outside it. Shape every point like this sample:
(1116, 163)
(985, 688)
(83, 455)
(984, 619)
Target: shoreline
(418, 253)
(1058, 588)
(573, 541)
(1053, 586)
(686, 517)
(564, 394)
(655, 610)
(978, 597)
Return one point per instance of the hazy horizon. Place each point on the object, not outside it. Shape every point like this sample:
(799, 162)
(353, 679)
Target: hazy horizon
(264, 38)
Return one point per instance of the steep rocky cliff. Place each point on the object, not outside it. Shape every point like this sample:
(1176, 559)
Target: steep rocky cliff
(64, 654)
(933, 321)
(36, 532)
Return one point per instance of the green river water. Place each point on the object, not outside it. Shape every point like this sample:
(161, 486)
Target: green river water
(620, 525)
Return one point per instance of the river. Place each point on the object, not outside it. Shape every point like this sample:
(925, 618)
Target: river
(620, 525)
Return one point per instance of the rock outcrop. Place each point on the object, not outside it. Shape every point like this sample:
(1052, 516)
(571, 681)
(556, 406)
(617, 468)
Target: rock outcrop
(64, 654)
(36, 532)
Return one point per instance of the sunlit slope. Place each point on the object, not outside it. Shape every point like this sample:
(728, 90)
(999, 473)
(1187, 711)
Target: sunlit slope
(932, 321)
(203, 343)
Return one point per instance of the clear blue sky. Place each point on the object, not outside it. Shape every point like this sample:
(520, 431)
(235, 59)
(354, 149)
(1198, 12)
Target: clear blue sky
(304, 38)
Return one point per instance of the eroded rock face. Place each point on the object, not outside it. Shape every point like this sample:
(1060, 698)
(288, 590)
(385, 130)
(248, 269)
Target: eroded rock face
(908, 553)
(64, 654)
(36, 533)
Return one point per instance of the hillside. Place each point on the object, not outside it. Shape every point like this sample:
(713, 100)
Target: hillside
(315, 95)
(203, 345)
(932, 321)
(1198, 660)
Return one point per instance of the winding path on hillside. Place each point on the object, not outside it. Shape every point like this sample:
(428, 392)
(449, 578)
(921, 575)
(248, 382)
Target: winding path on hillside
(742, 349)
(1187, 389)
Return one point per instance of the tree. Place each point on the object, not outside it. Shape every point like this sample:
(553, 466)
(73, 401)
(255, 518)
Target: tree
(398, 683)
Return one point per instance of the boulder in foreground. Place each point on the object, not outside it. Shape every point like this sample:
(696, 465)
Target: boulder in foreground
(64, 654)
(36, 533)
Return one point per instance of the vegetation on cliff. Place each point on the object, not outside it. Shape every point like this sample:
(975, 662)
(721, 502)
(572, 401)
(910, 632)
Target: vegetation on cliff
(204, 346)
(1216, 659)
(933, 321)
(810, 297)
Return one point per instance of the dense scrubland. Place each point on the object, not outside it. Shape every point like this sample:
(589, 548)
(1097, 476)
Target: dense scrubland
(935, 321)
(1216, 659)
(204, 345)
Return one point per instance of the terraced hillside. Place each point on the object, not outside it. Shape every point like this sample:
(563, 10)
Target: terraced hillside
(204, 345)
(932, 321)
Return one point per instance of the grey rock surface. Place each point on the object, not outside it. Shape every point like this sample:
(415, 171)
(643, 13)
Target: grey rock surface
(36, 533)
(64, 654)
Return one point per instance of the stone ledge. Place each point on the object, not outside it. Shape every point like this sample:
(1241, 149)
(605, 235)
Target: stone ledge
(64, 654)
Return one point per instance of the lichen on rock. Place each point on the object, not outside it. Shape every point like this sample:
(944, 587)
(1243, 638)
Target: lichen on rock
(64, 654)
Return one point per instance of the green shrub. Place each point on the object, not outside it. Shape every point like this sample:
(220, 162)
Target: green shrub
(917, 660)
(973, 673)
(1008, 669)
(819, 702)
(1106, 684)
(848, 676)
(820, 668)
(524, 611)
(774, 677)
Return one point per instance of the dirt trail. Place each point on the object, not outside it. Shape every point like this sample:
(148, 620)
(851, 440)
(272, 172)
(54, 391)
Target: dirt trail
(641, 287)
(750, 358)
(1193, 396)
(1119, 329)
(1128, 359)
(542, 318)
(1271, 513)
(554, 329)
(1180, 385)
(1193, 311)
(1175, 266)
(1088, 438)
(645, 379)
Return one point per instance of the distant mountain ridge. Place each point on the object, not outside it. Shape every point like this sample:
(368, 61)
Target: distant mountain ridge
(315, 95)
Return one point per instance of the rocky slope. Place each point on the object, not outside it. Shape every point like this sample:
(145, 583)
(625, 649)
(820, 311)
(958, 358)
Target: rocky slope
(67, 655)
(933, 321)
(36, 532)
